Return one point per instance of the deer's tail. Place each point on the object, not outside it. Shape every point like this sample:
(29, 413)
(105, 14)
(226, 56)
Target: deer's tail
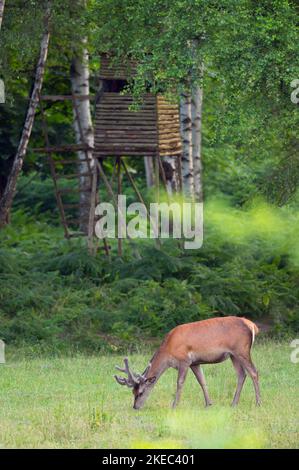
(252, 327)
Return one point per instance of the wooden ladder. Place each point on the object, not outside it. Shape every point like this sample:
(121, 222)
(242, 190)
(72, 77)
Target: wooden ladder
(71, 224)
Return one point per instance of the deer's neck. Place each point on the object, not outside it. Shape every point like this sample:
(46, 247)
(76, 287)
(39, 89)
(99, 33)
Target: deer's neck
(158, 365)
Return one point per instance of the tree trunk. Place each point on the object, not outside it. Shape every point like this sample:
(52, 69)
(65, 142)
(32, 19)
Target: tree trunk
(2, 5)
(186, 133)
(170, 171)
(84, 132)
(149, 171)
(197, 96)
(8, 196)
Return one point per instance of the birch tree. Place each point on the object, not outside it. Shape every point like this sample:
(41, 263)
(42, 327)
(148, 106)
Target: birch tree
(8, 195)
(197, 96)
(186, 134)
(2, 5)
(83, 131)
(170, 170)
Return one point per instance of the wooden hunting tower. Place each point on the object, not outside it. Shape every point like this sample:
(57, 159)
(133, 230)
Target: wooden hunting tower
(151, 131)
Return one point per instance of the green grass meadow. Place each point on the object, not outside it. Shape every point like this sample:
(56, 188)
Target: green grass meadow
(71, 402)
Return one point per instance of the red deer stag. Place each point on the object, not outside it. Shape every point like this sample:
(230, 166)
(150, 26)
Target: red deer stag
(192, 344)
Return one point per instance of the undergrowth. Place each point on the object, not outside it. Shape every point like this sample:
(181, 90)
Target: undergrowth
(55, 296)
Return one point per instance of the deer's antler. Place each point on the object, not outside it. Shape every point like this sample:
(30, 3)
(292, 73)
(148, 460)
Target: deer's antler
(132, 380)
(146, 371)
(142, 377)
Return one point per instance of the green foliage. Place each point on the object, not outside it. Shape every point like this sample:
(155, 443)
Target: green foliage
(52, 292)
(55, 295)
(248, 53)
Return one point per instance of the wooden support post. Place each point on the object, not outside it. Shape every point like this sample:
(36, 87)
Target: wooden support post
(106, 182)
(163, 176)
(90, 240)
(157, 178)
(131, 179)
(106, 246)
(119, 239)
(110, 191)
(113, 172)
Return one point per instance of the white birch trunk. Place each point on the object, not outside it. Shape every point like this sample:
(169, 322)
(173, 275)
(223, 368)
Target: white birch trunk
(84, 133)
(197, 97)
(2, 5)
(9, 192)
(169, 164)
(149, 171)
(186, 134)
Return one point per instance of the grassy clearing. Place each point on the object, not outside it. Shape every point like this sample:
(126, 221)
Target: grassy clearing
(75, 402)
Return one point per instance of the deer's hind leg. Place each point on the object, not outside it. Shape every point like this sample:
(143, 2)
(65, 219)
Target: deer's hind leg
(241, 374)
(250, 368)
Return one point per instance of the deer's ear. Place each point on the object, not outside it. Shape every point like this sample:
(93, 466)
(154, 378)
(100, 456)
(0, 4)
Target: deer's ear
(150, 380)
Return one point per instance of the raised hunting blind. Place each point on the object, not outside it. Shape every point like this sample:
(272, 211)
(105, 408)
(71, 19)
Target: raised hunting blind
(151, 131)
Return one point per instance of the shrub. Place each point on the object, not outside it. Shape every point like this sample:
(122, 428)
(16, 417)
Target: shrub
(53, 294)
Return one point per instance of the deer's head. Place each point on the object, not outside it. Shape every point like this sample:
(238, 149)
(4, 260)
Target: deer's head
(140, 383)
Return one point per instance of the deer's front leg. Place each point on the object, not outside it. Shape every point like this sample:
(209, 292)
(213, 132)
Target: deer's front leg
(183, 369)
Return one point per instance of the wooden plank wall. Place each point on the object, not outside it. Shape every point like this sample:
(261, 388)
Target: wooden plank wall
(111, 71)
(121, 131)
(169, 139)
